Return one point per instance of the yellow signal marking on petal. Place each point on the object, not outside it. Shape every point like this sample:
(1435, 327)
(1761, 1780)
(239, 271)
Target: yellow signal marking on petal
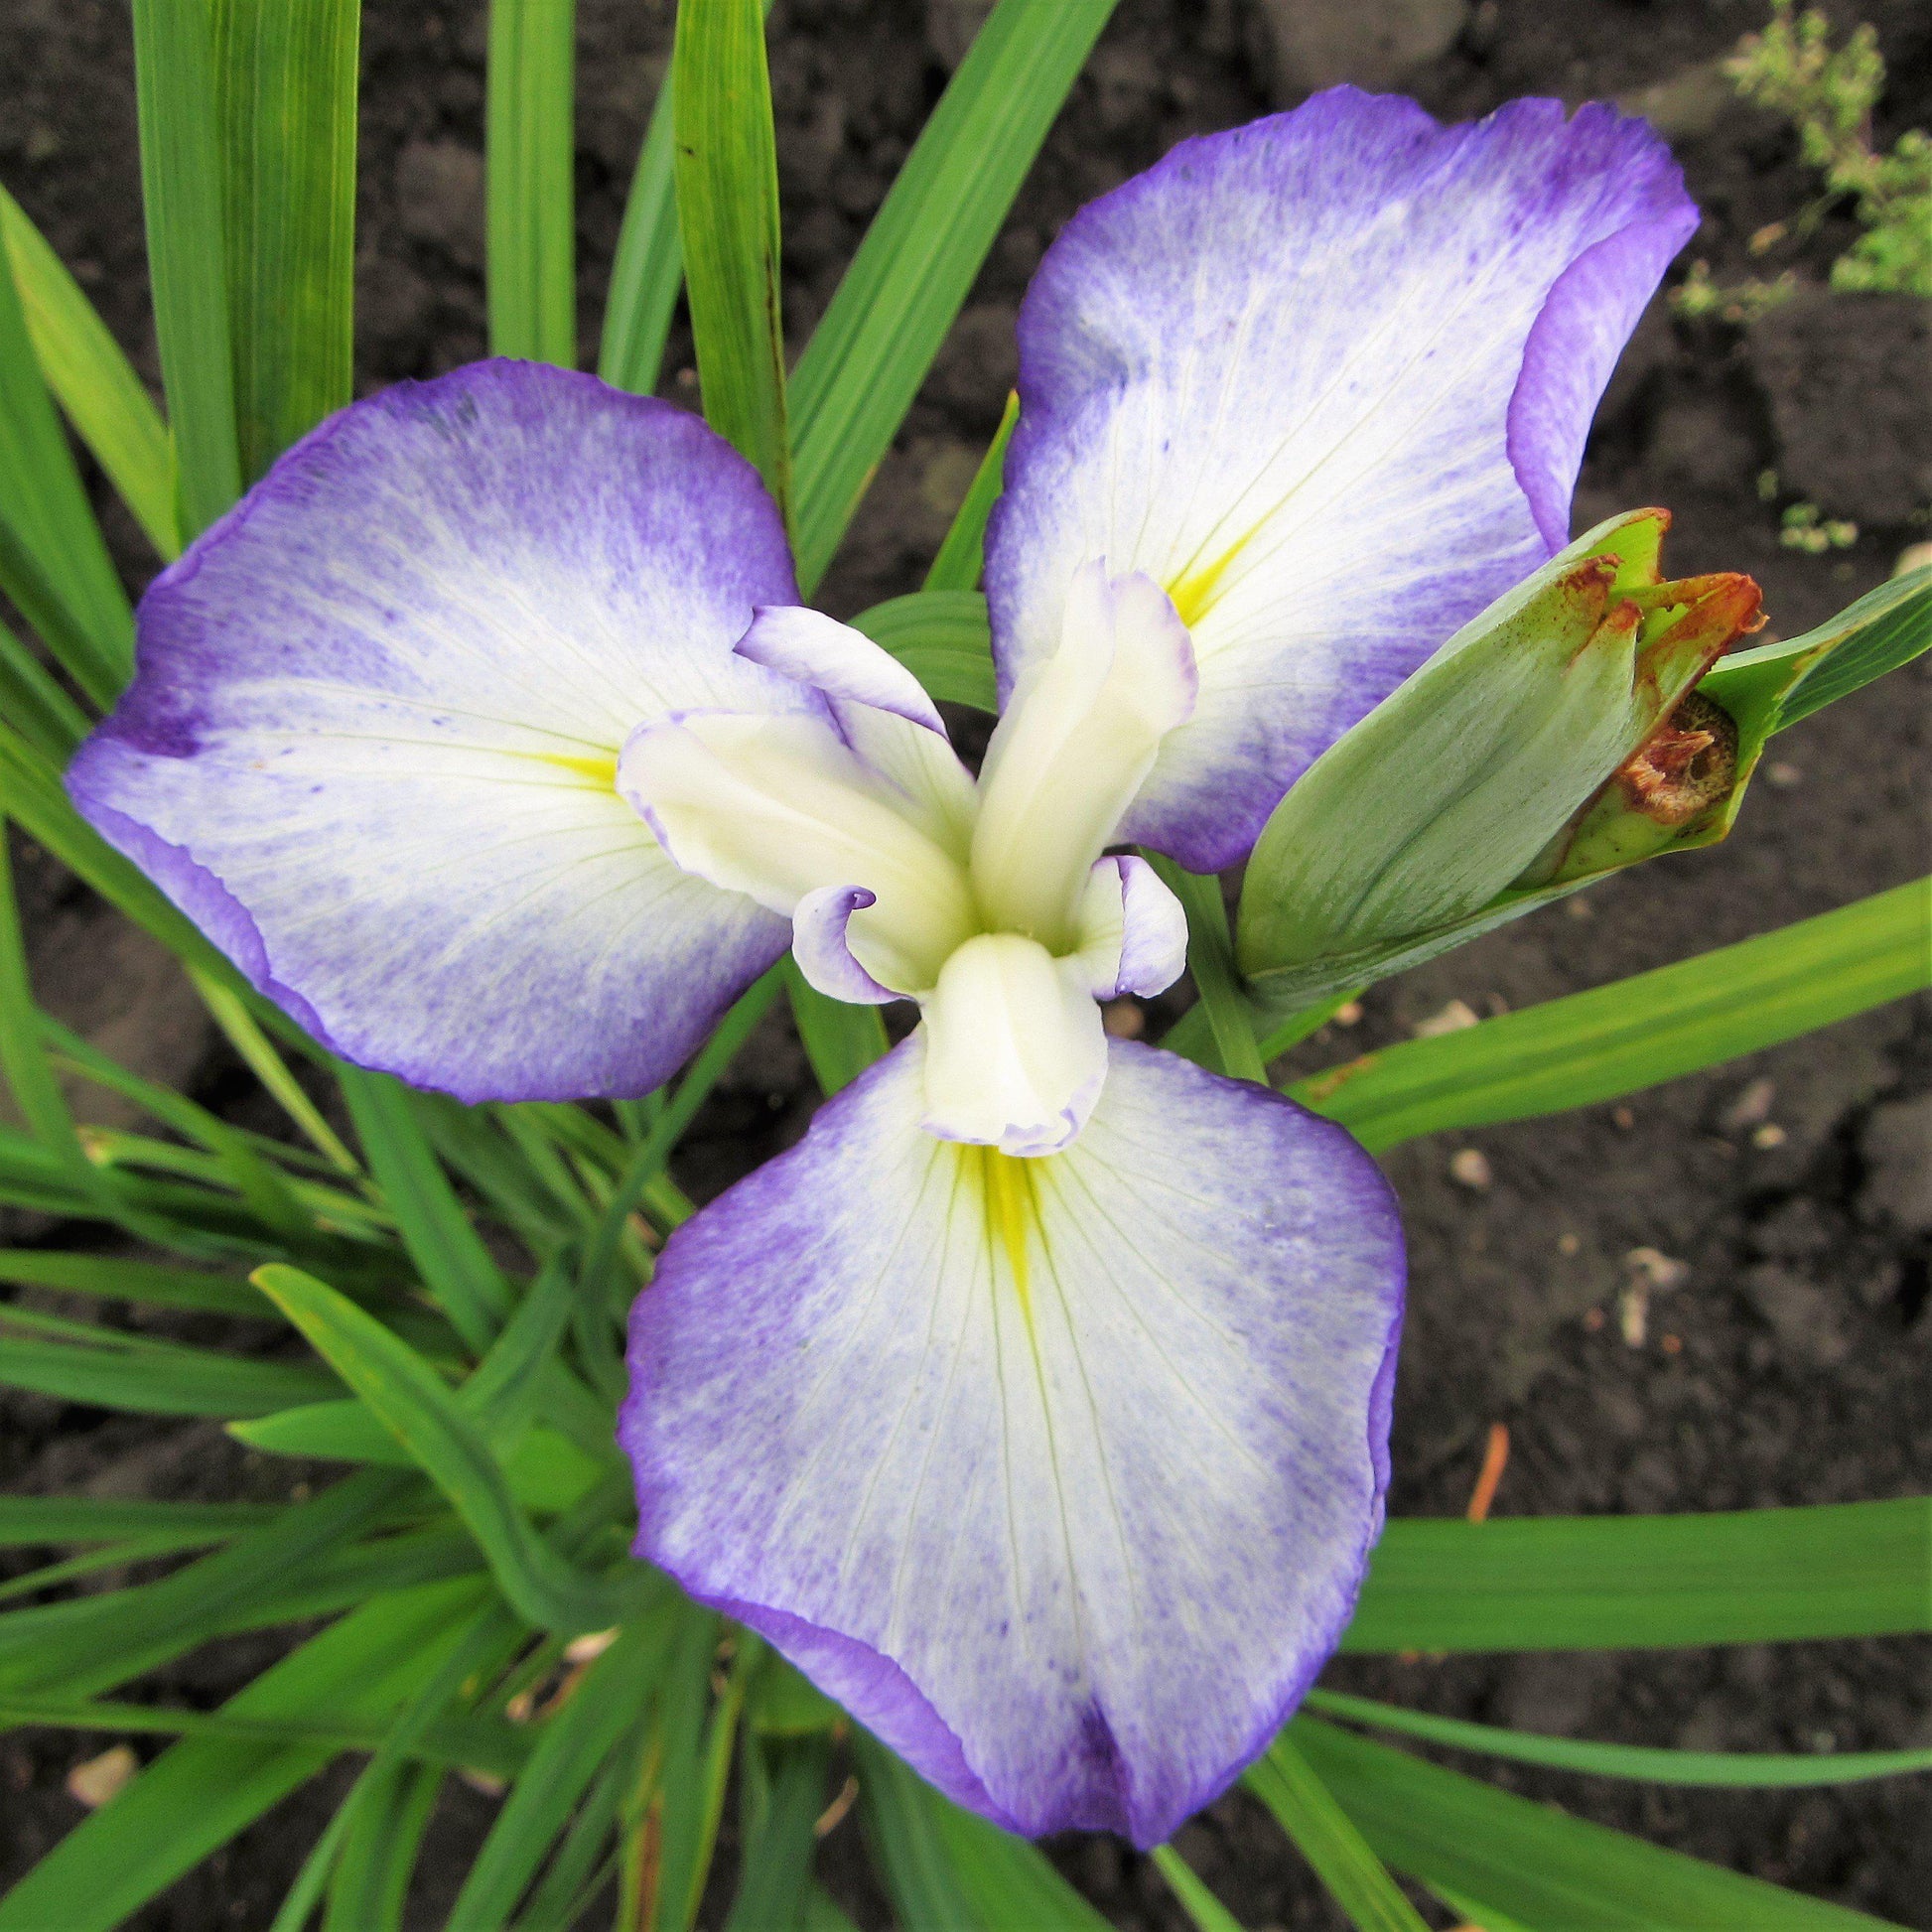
(1194, 591)
(1007, 1186)
(600, 771)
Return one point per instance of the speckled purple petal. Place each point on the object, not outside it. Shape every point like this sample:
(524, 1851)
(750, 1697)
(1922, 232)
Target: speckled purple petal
(372, 742)
(1327, 378)
(1060, 1475)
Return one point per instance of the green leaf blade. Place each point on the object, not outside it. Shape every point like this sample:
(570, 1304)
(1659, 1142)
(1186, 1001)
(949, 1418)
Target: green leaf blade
(943, 638)
(1583, 1583)
(284, 106)
(1288, 1784)
(726, 179)
(1655, 1027)
(530, 184)
(53, 562)
(94, 382)
(871, 351)
(180, 183)
(1549, 1872)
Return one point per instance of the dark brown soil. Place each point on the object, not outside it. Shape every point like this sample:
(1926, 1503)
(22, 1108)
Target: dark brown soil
(1793, 1362)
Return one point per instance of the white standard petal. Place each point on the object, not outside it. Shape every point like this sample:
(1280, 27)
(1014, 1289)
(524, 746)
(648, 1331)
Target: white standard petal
(779, 807)
(1060, 1475)
(1015, 1053)
(1078, 735)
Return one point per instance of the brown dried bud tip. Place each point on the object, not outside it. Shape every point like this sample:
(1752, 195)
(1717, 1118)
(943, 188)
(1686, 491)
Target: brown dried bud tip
(1687, 765)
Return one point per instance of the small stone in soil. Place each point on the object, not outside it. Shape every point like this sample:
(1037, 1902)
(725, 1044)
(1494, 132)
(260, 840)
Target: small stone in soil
(1452, 1018)
(98, 1779)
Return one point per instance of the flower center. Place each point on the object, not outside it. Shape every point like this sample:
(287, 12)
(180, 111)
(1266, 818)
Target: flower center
(847, 811)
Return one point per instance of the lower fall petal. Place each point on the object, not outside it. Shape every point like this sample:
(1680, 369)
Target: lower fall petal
(1060, 1475)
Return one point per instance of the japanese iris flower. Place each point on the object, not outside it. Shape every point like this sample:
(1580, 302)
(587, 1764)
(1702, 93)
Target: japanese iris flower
(1037, 1403)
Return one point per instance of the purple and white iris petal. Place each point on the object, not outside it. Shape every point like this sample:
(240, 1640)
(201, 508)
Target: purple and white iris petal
(372, 742)
(1325, 378)
(1061, 1474)
(1133, 931)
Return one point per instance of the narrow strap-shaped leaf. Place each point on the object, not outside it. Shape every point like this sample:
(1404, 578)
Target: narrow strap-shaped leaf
(180, 191)
(561, 1897)
(1200, 1904)
(1285, 1781)
(727, 176)
(569, 1753)
(96, 1643)
(34, 699)
(1737, 1770)
(366, 1888)
(962, 556)
(909, 1853)
(490, 1743)
(1210, 958)
(1587, 1582)
(99, 1519)
(175, 1382)
(204, 1790)
(1887, 628)
(455, 1266)
(871, 351)
(424, 1415)
(23, 1051)
(840, 1040)
(1005, 1880)
(777, 1860)
(669, 1128)
(285, 103)
(1552, 1873)
(529, 181)
(54, 562)
(942, 637)
(378, 1852)
(648, 269)
(230, 1012)
(1638, 1031)
(93, 380)
(152, 1282)
(664, 1886)
(263, 1186)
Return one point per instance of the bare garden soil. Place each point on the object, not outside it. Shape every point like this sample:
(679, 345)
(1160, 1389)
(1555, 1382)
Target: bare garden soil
(1791, 1362)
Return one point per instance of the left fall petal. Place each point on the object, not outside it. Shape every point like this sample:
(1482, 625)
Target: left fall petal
(371, 744)
(1060, 1473)
(1325, 380)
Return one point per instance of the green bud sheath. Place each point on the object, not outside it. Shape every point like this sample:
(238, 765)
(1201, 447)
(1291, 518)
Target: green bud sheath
(1478, 771)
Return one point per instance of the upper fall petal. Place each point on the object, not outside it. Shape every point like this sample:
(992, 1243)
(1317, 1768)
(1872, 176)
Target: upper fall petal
(371, 740)
(1060, 1475)
(1325, 378)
